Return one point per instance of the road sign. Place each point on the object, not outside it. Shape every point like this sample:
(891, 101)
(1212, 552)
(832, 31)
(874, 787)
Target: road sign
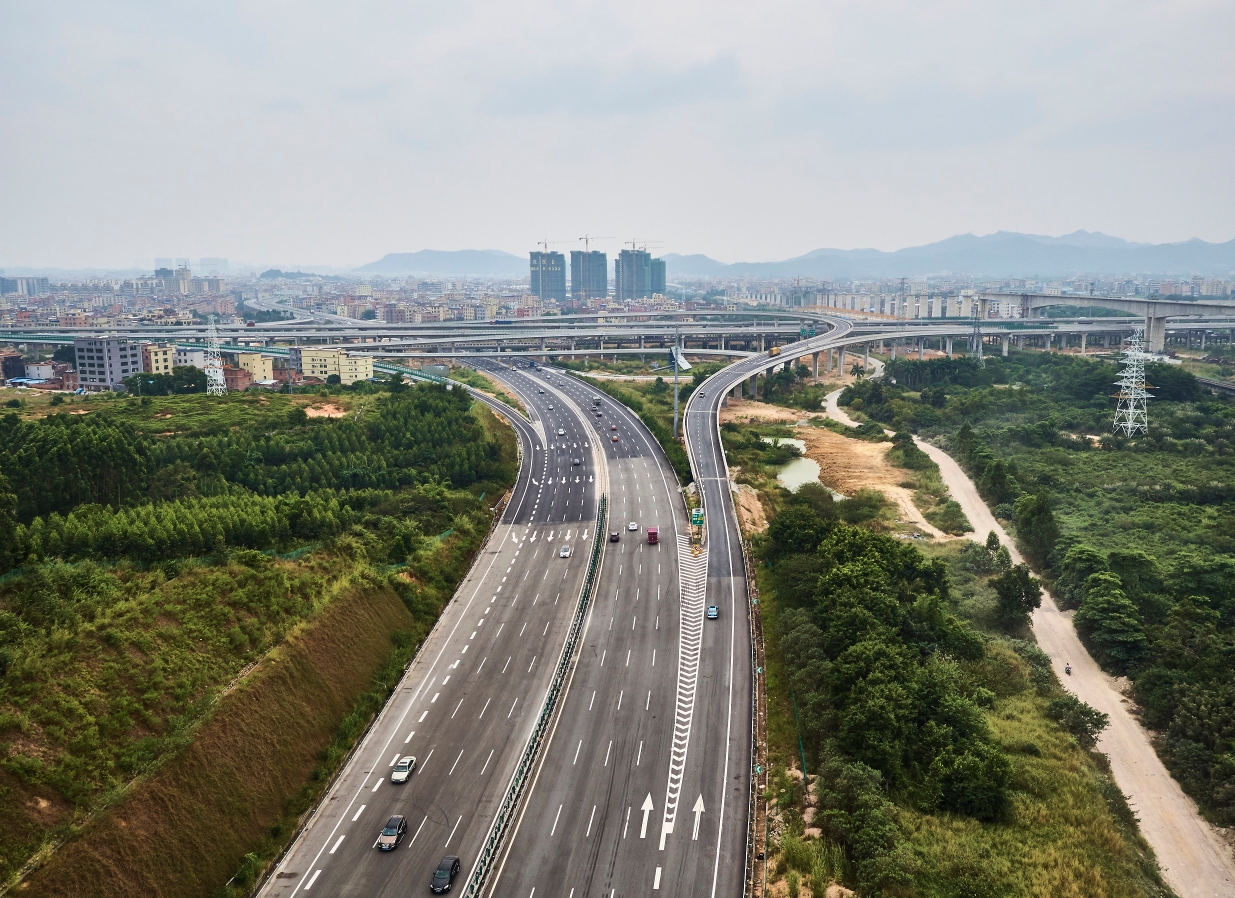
(696, 517)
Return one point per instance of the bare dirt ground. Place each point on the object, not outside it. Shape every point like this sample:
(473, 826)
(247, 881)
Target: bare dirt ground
(845, 465)
(750, 508)
(325, 411)
(1194, 860)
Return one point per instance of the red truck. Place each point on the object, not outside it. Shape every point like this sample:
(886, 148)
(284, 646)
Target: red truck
(653, 536)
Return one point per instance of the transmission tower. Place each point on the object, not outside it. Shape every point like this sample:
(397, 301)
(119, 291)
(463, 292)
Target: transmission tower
(975, 335)
(1131, 415)
(215, 383)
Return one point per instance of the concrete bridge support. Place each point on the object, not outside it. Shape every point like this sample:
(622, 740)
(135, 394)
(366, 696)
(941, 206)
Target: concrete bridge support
(814, 366)
(949, 348)
(1005, 341)
(1155, 334)
(752, 385)
(892, 354)
(921, 350)
(866, 357)
(1084, 341)
(827, 361)
(840, 364)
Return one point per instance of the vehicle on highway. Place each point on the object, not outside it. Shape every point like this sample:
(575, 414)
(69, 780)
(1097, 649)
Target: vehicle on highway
(613, 427)
(550, 408)
(392, 835)
(713, 612)
(576, 461)
(445, 874)
(541, 392)
(614, 438)
(613, 537)
(633, 526)
(653, 535)
(404, 767)
(774, 351)
(561, 432)
(563, 552)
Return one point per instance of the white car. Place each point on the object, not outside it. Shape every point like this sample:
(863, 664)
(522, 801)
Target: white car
(403, 769)
(632, 526)
(561, 432)
(563, 552)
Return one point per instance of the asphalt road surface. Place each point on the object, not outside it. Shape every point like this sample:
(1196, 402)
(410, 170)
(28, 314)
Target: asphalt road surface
(467, 704)
(630, 797)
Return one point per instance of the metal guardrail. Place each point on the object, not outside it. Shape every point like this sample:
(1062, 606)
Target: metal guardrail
(506, 814)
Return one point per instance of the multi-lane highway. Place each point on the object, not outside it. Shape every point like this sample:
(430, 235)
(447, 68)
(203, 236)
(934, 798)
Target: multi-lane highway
(642, 787)
(466, 706)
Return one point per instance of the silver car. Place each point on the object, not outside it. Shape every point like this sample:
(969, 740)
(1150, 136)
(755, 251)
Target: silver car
(564, 552)
(404, 767)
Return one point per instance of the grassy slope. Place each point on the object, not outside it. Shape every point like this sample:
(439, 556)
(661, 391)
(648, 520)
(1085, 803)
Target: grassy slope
(185, 830)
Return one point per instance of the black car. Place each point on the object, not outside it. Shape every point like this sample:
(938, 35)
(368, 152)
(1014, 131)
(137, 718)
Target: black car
(613, 537)
(392, 835)
(445, 874)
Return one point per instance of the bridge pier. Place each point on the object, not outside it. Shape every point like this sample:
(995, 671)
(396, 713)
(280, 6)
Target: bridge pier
(840, 361)
(949, 347)
(921, 350)
(1084, 342)
(752, 385)
(1155, 334)
(815, 366)
(827, 361)
(866, 357)
(1005, 341)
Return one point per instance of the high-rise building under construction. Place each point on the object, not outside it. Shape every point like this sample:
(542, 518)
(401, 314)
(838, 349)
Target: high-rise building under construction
(589, 275)
(637, 275)
(548, 276)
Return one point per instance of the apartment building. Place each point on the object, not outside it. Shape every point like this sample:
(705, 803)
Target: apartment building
(321, 363)
(104, 362)
(258, 365)
(158, 358)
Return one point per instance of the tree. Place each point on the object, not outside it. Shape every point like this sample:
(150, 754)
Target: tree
(333, 380)
(65, 354)
(1019, 595)
(796, 531)
(858, 369)
(1111, 624)
(1078, 718)
(996, 486)
(1036, 526)
(1079, 564)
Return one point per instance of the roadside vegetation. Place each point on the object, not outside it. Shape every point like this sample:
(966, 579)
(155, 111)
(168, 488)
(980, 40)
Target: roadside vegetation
(154, 551)
(1137, 535)
(943, 757)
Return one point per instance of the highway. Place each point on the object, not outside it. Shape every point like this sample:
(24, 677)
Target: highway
(642, 785)
(467, 704)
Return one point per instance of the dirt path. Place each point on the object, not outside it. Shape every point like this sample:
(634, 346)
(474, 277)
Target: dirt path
(845, 465)
(1194, 860)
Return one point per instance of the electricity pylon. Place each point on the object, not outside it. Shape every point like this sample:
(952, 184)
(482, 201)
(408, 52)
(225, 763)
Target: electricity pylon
(216, 385)
(1131, 413)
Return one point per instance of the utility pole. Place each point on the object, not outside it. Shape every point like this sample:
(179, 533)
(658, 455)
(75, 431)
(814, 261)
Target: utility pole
(674, 353)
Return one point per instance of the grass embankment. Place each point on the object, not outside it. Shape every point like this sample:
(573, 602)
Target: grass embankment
(156, 565)
(486, 384)
(865, 656)
(259, 761)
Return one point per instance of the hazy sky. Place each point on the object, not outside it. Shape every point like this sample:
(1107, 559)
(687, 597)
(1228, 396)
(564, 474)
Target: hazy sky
(332, 133)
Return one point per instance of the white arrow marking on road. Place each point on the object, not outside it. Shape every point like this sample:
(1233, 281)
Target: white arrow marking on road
(647, 809)
(698, 809)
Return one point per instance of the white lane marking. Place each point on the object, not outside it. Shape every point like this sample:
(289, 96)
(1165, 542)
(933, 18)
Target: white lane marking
(648, 706)
(393, 760)
(628, 657)
(593, 701)
(602, 657)
(512, 708)
(555, 817)
(607, 751)
(487, 760)
(312, 879)
(445, 681)
(507, 664)
(632, 621)
(655, 881)
(452, 831)
(486, 658)
(485, 708)
(639, 757)
(647, 809)
(698, 812)
(523, 628)
(337, 844)
(577, 747)
(426, 760)
(529, 667)
(375, 785)
(457, 707)
(418, 829)
(422, 717)
(435, 695)
(627, 823)
(653, 657)
(620, 694)
(455, 764)
(589, 823)
(546, 628)
(359, 812)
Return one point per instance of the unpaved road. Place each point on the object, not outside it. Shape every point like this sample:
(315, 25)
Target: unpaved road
(1194, 861)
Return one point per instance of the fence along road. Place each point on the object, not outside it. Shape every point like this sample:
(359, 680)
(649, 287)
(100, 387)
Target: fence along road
(468, 703)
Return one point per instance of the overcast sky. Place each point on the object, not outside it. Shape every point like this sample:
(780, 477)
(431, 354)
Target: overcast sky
(328, 133)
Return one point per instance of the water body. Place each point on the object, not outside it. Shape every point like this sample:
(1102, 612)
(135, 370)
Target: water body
(800, 470)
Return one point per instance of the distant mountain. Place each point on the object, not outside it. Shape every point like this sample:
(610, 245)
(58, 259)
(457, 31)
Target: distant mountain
(274, 274)
(484, 262)
(1002, 254)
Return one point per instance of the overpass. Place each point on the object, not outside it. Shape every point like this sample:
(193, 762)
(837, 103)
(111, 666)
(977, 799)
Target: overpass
(1155, 312)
